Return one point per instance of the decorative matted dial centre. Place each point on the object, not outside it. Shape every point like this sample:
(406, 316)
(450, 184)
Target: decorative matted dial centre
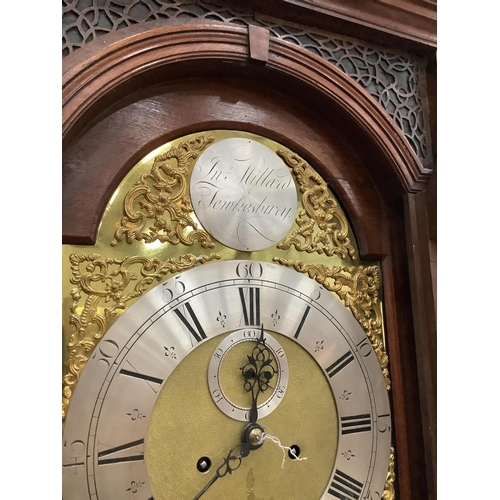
(243, 194)
(240, 365)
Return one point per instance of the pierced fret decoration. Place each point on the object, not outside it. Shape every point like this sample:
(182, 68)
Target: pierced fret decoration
(391, 79)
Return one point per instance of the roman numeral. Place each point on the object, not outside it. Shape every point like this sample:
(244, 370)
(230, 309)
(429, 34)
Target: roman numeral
(130, 458)
(250, 305)
(301, 324)
(342, 362)
(73, 464)
(141, 376)
(345, 487)
(197, 331)
(356, 423)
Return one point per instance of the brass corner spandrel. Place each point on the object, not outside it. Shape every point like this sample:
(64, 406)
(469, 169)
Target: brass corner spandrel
(103, 289)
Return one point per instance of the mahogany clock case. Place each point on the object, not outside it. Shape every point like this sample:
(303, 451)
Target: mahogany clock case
(107, 130)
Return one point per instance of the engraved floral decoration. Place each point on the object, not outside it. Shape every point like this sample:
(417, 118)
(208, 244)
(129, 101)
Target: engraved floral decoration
(358, 288)
(158, 206)
(102, 289)
(322, 227)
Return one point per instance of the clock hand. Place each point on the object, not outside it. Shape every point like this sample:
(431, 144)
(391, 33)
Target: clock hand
(253, 438)
(230, 464)
(258, 372)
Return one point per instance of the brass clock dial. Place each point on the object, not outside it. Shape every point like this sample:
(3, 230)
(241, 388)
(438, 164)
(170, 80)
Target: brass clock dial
(234, 379)
(143, 422)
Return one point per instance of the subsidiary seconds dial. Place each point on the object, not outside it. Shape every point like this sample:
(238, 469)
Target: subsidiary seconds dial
(221, 380)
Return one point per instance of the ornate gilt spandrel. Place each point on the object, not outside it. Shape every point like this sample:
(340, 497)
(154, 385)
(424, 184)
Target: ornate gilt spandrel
(322, 226)
(158, 206)
(389, 489)
(358, 287)
(104, 287)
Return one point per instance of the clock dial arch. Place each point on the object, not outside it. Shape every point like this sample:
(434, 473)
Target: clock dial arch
(109, 414)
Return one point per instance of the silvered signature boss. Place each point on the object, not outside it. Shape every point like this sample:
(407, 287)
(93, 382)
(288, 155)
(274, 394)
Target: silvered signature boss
(243, 194)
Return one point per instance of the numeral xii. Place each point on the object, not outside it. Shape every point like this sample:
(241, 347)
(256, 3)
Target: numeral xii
(250, 303)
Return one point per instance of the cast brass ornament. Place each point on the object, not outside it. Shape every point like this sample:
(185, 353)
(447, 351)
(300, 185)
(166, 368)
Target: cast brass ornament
(110, 281)
(358, 287)
(158, 206)
(389, 490)
(322, 227)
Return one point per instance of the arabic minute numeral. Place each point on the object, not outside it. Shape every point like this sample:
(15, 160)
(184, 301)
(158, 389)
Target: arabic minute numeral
(106, 351)
(172, 289)
(252, 270)
(77, 458)
(317, 294)
(382, 427)
(365, 348)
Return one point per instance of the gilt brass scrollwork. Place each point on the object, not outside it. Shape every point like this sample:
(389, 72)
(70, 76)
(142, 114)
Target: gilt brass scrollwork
(322, 227)
(389, 490)
(105, 286)
(158, 206)
(358, 288)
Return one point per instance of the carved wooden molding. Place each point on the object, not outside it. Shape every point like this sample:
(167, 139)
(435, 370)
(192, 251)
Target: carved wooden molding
(391, 77)
(85, 84)
(411, 19)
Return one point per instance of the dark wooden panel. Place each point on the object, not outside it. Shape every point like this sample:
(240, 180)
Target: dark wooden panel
(411, 460)
(424, 317)
(107, 149)
(406, 25)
